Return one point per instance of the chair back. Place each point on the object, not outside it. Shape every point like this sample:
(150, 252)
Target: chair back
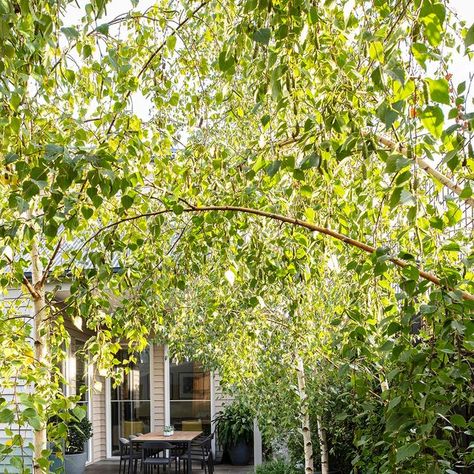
(154, 448)
(157, 445)
(206, 443)
(124, 446)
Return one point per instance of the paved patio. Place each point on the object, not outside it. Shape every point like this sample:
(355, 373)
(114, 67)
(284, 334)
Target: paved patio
(111, 467)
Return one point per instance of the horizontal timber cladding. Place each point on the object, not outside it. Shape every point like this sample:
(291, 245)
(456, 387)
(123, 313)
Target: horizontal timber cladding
(99, 423)
(158, 388)
(18, 304)
(221, 399)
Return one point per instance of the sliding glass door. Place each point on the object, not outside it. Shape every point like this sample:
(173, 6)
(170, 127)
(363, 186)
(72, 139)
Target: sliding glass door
(190, 397)
(130, 401)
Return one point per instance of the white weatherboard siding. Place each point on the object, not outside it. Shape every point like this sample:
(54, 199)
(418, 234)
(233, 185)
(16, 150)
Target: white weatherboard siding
(99, 426)
(221, 399)
(23, 308)
(158, 388)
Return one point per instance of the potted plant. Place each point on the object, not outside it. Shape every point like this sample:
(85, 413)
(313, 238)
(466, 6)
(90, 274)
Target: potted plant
(234, 427)
(79, 431)
(168, 430)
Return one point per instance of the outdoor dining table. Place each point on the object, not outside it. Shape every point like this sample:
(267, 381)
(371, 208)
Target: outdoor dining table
(178, 437)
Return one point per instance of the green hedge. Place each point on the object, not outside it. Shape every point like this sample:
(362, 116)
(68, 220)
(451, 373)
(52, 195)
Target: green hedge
(278, 467)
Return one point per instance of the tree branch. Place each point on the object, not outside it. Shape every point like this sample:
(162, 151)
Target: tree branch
(50, 263)
(277, 217)
(154, 54)
(425, 166)
(421, 162)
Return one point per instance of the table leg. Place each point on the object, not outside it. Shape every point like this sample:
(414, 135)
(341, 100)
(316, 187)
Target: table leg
(190, 467)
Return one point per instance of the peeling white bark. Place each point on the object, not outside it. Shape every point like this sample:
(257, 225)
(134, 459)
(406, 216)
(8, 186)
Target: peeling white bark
(425, 166)
(40, 343)
(304, 415)
(323, 444)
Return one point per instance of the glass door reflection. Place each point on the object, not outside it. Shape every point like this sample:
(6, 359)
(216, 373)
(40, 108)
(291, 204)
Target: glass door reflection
(190, 397)
(130, 401)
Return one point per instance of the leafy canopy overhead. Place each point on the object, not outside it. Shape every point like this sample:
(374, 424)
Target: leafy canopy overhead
(330, 115)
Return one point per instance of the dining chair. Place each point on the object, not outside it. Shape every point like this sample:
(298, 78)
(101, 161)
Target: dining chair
(201, 451)
(128, 455)
(156, 454)
(124, 452)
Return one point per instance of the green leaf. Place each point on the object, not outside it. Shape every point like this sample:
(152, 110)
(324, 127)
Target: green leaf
(51, 229)
(226, 61)
(406, 451)
(262, 35)
(376, 51)
(171, 42)
(469, 38)
(396, 163)
(313, 160)
(466, 192)
(273, 167)
(30, 189)
(458, 420)
(70, 32)
(433, 119)
(87, 212)
(394, 402)
(35, 422)
(439, 90)
(387, 114)
(6, 416)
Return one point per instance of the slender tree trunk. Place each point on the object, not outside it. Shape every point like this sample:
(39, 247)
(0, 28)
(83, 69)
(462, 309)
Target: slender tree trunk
(40, 346)
(304, 415)
(323, 443)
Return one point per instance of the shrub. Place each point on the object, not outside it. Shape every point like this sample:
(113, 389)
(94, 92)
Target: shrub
(234, 424)
(278, 467)
(79, 430)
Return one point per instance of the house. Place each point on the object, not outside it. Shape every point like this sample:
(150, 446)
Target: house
(157, 391)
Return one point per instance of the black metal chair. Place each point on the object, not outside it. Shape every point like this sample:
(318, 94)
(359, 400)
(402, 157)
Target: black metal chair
(201, 451)
(207, 456)
(156, 454)
(128, 455)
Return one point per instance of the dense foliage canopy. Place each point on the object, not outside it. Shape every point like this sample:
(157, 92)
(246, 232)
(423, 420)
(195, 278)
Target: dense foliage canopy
(251, 183)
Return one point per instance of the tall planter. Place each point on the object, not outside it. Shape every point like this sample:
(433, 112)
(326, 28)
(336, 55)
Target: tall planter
(240, 453)
(234, 427)
(75, 463)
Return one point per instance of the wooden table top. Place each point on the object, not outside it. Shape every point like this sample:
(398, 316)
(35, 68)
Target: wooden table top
(177, 436)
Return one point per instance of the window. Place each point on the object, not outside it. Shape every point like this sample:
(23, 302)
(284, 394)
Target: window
(130, 401)
(190, 397)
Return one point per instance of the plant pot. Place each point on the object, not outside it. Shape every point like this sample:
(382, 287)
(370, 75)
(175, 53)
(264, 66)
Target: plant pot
(239, 454)
(75, 463)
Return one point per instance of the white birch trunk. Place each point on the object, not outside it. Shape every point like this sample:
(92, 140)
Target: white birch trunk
(304, 415)
(40, 344)
(323, 444)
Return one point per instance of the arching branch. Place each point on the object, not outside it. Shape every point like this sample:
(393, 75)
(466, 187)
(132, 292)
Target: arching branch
(277, 217)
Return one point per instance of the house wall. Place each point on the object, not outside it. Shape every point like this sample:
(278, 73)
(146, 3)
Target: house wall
(15, 297)
(99, 422)
(221, 399)
(158, 388)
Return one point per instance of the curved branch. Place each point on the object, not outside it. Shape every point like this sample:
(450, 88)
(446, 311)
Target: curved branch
(277, 217)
